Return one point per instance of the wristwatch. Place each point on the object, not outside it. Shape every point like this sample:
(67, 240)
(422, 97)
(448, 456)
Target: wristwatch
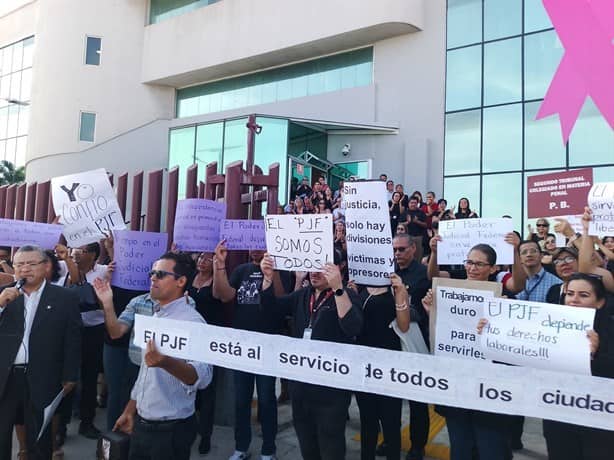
(339, 292)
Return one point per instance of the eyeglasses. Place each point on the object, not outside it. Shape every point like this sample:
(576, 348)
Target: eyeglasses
(564, 260)
(542, 225)
(400, 249)
(529, 251)
(160, 274)
(27, 264)
(473, 263)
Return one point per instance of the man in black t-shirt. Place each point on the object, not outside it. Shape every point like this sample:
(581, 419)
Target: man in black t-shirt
(416, 225)
(244, 288)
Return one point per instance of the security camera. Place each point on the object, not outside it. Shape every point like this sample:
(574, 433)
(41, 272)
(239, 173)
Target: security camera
(345, 150)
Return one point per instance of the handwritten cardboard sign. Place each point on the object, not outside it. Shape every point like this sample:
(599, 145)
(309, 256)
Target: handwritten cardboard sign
(197, 224)
(456, 311)
(459, 236)
(243, 234)
(538, 335)
(368, 234)
(301, 242)
(87, 206)
(558, 194)
(20, 232)
(134, 254)
(601, 202)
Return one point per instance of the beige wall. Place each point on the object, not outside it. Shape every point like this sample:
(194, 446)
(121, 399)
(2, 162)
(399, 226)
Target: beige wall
(237, 36)
(63, 85)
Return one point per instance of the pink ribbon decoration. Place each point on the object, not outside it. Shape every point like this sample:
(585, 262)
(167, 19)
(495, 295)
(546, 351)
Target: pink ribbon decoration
(586, 30)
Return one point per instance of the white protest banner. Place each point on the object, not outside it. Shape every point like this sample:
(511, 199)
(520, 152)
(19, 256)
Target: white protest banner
(87, 206)
(197, 224)
(601, 202)
(134, 254)
(302, 242)
(538, 335)
(456, 311)
(21, 232)
(460, 235)
(368, 234)
(480, 385)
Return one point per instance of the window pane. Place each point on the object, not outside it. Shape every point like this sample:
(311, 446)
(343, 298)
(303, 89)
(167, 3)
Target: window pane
(272, 147)
(5, 87)
(502, 195)
(13, 121)
(20, 151)
(592, 139)
(543, 145)
(464, 22)
(26, 85)
(604, 174)
(463, 142)
(7, 60)
(181, 153)
(88, 126)
(4, 118)
(17, 56)
(535, 16)
(11, 145)
(235, 142)
(28, 52)
(503, 138)
(502, 18)
(92, 51)
(24, 120)
(2, 149)
(468, 187)
(502, 77)
(15, 90)
(464, 78)
(209, 146)
(543, 53)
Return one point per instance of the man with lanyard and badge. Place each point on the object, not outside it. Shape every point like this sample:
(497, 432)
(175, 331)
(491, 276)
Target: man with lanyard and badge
(323, 311)
(538, 283)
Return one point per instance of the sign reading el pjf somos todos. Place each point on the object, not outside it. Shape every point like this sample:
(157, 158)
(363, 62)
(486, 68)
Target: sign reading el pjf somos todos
(538, 335)
(480, 385)
(134, 254)
(197, 224)
(601, 202)
(456, 311)
(368, 235)
(87, 206)
(459, 236)
(302, 242)
(21, 232)
(558, 194)
(243, 234)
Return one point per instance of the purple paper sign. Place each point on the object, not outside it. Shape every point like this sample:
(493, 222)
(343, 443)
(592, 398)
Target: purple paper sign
(243, 234)
(21, 232)
(134, 254)
(197, 224)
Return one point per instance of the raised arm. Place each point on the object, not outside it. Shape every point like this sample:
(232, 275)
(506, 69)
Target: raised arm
(61, 252)
(115, 327)
(432, 270)
(221, 287)
(585, 254)
(517, 282)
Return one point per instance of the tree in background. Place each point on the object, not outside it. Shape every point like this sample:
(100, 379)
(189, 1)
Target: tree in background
(11, 175)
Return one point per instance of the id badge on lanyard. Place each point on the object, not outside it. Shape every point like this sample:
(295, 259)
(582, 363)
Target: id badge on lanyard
(307, 333)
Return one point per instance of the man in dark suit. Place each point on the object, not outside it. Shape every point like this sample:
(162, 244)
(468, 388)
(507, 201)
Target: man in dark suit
(40, 342)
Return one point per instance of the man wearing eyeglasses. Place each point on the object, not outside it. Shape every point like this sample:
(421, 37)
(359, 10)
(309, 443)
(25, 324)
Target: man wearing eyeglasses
(414, 276)
(40, 347)
(160, 413)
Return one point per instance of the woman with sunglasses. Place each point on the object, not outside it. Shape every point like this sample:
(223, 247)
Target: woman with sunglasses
(547, 252)
(542, 226)
(472, 431)
(212, 310)
(565, 441)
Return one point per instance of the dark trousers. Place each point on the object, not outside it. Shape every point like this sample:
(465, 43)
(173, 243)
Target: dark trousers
(92, 340)
(373, 410)
(205, 404)
(419, 424)
(15, 404)
(120, 374)
(267, 410)
(320, 427)
(166, 441)
(565, 441)
(474, 432)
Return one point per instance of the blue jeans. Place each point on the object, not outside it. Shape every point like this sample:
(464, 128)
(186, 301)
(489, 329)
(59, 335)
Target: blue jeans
(267, 410)
(120, 374)
(487, 434)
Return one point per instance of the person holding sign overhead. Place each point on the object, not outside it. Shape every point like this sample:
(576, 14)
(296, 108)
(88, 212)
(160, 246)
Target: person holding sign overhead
(469, 430)
(323, 311)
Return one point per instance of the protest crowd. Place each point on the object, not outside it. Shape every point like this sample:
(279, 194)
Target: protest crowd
(75, 328)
